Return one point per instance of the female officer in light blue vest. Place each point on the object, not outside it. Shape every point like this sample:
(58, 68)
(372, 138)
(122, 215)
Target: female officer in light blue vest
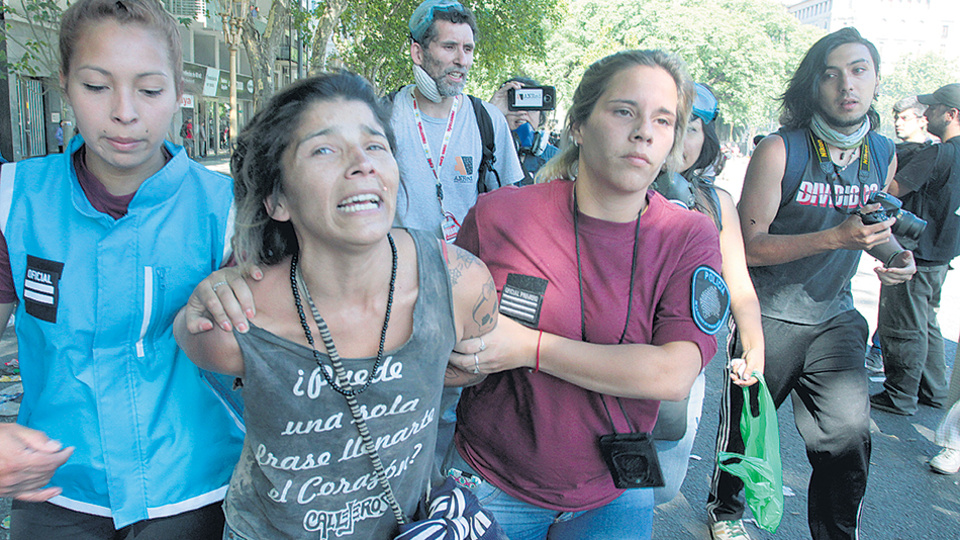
(117, 431)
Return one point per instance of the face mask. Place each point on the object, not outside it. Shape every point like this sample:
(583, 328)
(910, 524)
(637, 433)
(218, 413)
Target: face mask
(525, 135)
(426, 85)
(529, 140)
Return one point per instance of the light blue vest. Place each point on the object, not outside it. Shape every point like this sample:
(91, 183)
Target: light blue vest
(100, 367)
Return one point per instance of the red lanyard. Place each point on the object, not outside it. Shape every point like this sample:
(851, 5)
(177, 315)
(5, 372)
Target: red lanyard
(443, 148)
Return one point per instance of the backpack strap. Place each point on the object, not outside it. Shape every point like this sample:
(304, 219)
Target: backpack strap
(713, 200)
(946, 156)
(883, 150)
(798, 153)
(489, 147)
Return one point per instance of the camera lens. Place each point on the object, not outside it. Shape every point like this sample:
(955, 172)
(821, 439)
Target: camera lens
(908, 225)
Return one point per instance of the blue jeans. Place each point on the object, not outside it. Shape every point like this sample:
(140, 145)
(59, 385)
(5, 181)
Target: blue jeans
(629, 516)
(230, 534)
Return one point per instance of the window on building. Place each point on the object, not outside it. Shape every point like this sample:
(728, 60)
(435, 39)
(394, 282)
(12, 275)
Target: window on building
(184, 8)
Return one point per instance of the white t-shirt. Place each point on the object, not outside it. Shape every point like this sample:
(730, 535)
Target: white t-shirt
(417, 203)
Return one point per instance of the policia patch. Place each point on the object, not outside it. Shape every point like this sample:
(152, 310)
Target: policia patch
(709, 299)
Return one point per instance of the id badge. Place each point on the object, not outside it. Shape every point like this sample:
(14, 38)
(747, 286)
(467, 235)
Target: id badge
(451, 227)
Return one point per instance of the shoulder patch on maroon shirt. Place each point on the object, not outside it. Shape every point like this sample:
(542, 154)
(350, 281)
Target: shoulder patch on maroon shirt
(710, 299)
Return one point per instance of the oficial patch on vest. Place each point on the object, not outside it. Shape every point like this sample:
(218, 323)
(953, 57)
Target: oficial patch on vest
(710, 300)
(41, 288)
(522, 298)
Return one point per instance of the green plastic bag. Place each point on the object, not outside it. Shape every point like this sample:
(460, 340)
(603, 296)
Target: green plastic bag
(759, 466)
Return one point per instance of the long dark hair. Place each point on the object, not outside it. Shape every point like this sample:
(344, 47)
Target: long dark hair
(709, 152)
(800, 100)
(704, 201)
(257, 161)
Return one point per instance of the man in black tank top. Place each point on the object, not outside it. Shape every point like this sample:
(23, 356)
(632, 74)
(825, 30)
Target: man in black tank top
(803, 242)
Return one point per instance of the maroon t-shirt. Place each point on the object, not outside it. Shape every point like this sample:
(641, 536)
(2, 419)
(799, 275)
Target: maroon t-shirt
(113, 205)
(534, 435)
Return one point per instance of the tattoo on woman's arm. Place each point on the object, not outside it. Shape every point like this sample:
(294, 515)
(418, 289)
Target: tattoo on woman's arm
(485, 309)
(462, 262)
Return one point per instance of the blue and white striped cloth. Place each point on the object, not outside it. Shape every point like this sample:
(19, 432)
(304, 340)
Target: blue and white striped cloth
(454, 514)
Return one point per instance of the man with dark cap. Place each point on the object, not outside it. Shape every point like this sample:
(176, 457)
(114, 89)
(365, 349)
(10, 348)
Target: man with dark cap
(437, 126)
(911, 128)
(914, 362)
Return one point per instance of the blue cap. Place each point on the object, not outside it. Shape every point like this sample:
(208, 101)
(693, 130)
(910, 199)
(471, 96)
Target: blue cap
(422, 17)
(705, 104)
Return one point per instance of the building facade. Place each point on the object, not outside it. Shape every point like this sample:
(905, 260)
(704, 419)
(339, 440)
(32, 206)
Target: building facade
(897, 27)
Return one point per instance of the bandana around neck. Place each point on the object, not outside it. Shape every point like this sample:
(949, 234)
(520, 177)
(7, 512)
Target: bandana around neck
(833, 137)
(426, 84)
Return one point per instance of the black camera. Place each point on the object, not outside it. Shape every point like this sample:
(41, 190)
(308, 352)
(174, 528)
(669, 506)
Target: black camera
(908, 225)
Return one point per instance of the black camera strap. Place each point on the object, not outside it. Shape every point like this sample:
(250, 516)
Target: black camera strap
(832, 170)
(633, 272)
(630, 457)
(626, 322)
(603, 399)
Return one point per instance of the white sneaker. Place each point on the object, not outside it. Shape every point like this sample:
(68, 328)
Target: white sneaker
(946, 462)
(728, 530)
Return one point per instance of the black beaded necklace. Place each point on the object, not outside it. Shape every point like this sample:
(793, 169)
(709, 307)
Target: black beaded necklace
(295, 281)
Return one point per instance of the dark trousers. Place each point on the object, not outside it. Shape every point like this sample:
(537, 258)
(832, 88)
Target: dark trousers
(821, 368)
(913, 357)
(46, 521)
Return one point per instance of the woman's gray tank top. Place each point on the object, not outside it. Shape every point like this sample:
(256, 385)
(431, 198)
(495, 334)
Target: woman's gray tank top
(303, 472)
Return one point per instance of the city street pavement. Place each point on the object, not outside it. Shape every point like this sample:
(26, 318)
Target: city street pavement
(216, 163)
(905, 501)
